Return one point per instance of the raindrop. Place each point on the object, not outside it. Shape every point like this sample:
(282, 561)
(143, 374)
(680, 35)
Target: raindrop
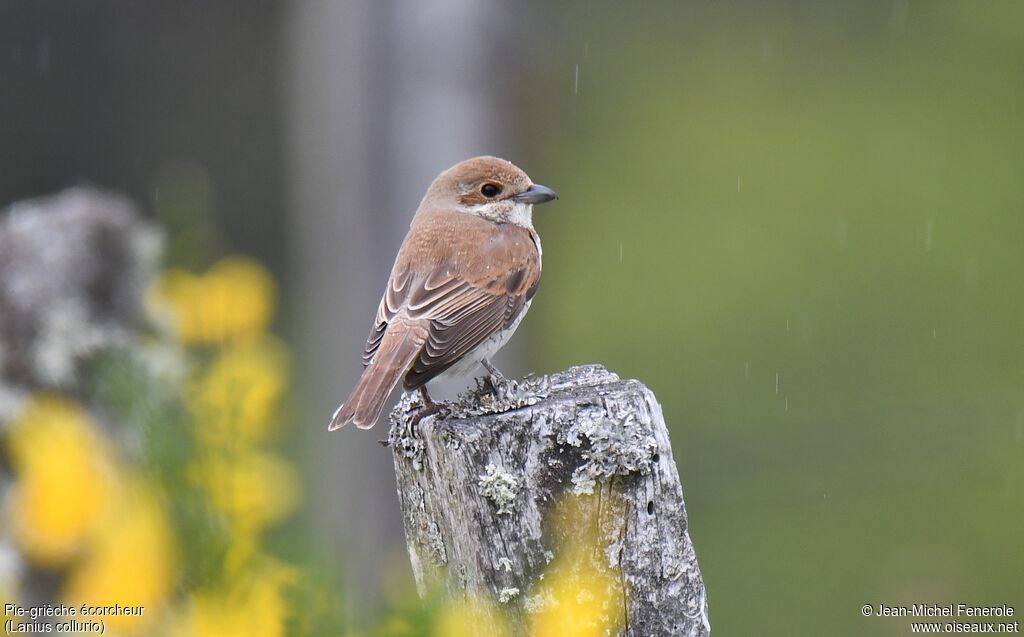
(787, 403)
(737, 183)
(767, 47)
(898, 16)
(576, 81)
(43, 54)
(776, 383)
(620, 252)
(787, 325)
(971, 271)
(746, 369)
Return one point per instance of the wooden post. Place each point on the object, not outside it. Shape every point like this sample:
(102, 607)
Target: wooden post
(508, 496)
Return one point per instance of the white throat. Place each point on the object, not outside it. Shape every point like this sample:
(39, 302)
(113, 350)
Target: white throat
(518, 213)
(522, 215)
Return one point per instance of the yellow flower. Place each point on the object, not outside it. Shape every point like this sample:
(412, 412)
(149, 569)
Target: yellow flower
(62, 486)
(250, 488)
(131, 562)
(579, 596)
(235, 298)
(253, 607)
(469, 619)
(579, 601)
(236, 397)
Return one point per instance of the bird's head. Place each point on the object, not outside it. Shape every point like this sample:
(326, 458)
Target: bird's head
(492, 188)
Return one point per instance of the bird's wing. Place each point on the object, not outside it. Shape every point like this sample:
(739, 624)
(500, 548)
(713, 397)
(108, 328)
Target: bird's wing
(390, 304)
(462, 302)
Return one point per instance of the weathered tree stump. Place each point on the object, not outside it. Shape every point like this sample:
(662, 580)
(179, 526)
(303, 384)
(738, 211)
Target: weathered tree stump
(508, 496)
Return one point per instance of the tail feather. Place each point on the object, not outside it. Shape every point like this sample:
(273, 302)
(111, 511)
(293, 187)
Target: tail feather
(395, 354)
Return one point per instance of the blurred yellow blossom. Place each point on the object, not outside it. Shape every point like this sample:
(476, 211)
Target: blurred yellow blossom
(243, 549)
(234, 298)
(99, 512)
(468, 619)
(63, 477)
(251, 606)
(131, 562)
(235, 398)
(252, 488)
(578, 600)
(579, 595)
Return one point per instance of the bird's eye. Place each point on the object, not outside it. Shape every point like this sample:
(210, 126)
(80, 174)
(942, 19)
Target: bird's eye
(490, 190)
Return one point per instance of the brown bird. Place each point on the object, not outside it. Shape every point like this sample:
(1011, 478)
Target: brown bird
(462, 281)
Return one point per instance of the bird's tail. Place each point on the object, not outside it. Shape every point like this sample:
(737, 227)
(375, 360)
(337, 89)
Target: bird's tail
(395, 354)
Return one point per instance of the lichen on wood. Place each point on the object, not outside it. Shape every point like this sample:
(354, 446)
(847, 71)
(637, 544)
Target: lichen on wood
(542, 485)
(500, 487)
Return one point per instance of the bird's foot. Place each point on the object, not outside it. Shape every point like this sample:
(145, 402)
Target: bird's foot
(412, 409)
(428, 409)
(495, 382)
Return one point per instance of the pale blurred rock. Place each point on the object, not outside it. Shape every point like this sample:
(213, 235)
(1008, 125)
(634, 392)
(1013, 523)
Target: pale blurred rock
(73, 271)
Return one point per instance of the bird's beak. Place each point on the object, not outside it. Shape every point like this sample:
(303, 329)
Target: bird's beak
(536, 194)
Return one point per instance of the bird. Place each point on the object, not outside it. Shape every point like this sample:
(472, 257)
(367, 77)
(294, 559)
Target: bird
(464, 278)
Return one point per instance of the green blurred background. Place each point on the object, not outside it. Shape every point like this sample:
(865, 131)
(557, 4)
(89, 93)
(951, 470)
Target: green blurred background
(800, 223)
(802, 227)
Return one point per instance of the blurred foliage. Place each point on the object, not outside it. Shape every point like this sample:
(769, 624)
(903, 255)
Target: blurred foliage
(801, 225)
(155, 481)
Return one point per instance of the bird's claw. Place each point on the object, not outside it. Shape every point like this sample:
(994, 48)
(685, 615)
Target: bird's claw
(429, 408)
(497, 385)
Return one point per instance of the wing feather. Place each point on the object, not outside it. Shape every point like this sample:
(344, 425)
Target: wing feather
(460, 314)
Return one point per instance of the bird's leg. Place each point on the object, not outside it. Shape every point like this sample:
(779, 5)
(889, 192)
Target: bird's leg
(428, 403)
(495, 377)
(493, 371)
(429, 408)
